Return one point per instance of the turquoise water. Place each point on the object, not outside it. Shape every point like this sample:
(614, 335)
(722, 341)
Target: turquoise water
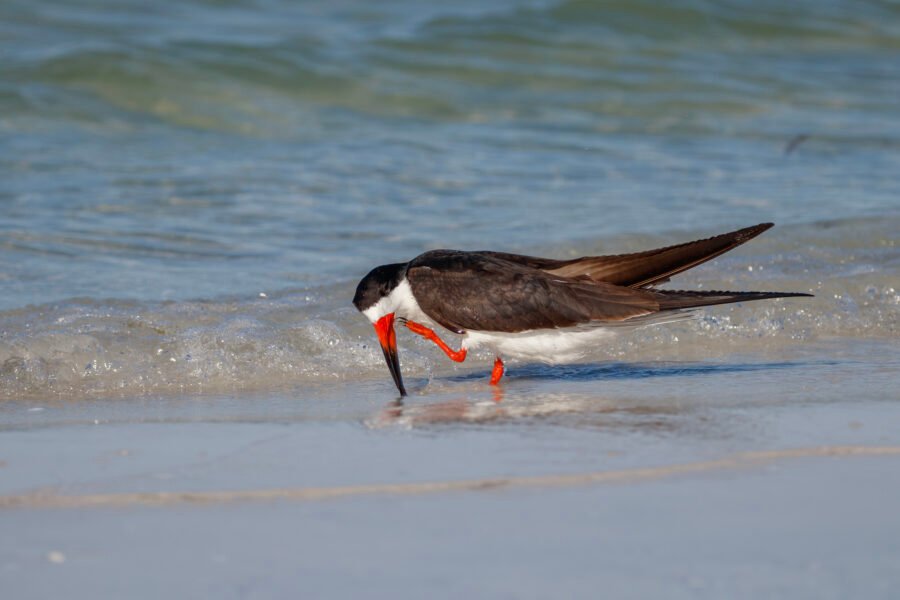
(197, 149)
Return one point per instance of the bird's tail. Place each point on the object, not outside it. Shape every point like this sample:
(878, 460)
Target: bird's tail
(678, 299)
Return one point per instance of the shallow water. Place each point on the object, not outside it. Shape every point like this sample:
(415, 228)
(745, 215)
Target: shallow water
(195, 150)
(191, 191)
(85, 347)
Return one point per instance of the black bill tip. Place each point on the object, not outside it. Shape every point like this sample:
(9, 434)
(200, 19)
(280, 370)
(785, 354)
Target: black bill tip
(393, 363)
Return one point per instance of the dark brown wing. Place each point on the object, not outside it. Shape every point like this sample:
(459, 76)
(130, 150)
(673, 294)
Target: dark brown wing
(480, 291)
(641, 269)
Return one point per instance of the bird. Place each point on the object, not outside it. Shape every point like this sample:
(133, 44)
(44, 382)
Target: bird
(539, 309)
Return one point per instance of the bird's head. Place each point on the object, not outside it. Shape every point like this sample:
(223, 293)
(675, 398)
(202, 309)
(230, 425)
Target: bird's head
(375, 298)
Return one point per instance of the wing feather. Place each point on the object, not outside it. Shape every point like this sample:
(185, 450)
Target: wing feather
(640, 269)
(481, 291)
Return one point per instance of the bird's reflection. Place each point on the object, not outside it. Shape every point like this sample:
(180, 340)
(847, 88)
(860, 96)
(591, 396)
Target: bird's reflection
(579, 410)
(664, 409)
(456, 410)
(562, 409)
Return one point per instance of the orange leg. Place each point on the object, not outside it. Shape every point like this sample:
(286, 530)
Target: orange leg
(456, 355)
(497, 373)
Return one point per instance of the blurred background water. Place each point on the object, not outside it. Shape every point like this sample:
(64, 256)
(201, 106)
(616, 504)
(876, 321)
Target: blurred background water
(190, 190)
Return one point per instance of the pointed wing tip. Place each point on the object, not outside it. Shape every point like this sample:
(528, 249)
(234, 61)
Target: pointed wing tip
(790, 294)
(755, 230)
(746, 234)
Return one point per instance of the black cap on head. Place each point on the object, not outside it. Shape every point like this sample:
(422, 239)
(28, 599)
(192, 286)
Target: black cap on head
(378, 284)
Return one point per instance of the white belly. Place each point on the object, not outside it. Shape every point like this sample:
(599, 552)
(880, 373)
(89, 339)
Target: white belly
(551, 346)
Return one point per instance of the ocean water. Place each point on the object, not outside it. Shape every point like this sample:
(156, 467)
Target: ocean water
(190, 191)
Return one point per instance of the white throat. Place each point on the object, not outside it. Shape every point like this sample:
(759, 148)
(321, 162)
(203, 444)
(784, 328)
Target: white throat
(401, 302)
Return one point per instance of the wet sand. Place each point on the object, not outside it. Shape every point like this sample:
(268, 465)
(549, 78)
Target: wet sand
(735, 479)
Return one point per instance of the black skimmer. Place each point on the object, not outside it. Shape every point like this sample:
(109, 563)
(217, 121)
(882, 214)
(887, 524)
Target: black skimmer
(535, 308)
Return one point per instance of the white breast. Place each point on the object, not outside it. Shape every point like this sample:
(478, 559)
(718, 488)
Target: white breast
(553, 346)
(406, 306)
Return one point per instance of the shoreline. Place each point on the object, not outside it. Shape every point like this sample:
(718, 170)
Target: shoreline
(743, 460)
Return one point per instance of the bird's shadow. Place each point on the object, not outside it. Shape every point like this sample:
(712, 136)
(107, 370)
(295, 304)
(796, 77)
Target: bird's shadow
(619, 370)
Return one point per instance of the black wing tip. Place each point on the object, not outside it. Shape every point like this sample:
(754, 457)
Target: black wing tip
(701, 293)
(735, 296)
(675, 299)
(749, 233)
(788, 294)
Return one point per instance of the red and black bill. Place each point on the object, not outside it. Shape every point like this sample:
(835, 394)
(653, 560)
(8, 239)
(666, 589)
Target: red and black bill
(384, 327)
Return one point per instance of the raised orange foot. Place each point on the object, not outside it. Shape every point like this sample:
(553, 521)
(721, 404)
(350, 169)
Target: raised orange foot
(419, 329)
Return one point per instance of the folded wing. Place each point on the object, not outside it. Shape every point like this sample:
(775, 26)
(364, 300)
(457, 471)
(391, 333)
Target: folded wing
(641, 269)
(477, 291)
